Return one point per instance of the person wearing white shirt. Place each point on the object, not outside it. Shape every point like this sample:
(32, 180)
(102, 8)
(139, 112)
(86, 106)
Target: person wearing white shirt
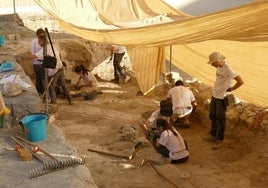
(90, 83)
(171, 144)
(56, 73)
(117, 53)
(183, 101)
(217, 108)
(38, 64)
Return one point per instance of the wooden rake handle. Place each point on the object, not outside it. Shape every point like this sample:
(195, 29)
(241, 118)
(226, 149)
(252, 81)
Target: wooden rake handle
(31, 144)
(23, 146)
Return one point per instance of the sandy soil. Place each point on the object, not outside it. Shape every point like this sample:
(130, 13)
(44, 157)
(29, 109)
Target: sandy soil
(96, 125)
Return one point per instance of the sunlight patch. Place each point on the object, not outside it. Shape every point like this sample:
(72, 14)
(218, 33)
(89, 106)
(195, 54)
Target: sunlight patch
(112, 91)
(127, 166)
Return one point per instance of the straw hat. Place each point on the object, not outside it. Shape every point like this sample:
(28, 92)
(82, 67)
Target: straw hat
(215, 56)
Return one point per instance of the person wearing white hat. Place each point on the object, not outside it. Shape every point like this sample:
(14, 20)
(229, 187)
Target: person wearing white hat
(217, 109)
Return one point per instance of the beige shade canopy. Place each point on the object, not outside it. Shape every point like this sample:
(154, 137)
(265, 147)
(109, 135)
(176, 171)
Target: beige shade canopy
(146, 26)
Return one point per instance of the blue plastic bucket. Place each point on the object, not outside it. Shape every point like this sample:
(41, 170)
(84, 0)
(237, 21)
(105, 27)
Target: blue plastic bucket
(35, 126)
(2, 40)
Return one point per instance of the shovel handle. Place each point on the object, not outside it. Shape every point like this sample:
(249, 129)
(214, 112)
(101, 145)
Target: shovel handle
(106, 153)
(259, 118)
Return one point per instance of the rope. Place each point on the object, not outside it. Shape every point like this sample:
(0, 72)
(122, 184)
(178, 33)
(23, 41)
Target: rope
(162, 175)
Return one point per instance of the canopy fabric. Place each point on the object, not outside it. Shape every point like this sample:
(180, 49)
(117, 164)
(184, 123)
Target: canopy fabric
(147, 64)
(249, 59)
(240, 33)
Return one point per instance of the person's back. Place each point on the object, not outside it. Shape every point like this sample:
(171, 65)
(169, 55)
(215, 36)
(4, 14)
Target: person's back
(174, 143)
(171, 144)
(182, 98)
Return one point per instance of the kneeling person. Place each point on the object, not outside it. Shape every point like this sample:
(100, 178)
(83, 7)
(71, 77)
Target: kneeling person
(90, 82)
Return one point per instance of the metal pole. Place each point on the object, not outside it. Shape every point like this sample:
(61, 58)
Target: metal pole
(170, 58)
(46, 72)
(15, 20)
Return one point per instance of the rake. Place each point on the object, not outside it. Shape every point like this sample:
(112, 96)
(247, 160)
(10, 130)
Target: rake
(37, 148)
(52, 166)
(48, 165)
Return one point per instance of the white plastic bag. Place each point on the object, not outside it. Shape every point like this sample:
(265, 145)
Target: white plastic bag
(11, 89)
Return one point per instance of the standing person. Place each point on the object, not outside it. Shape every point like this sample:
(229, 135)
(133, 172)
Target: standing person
(37, 64)
(90, 82)
(56, 73)
(183, 101)
(217, 109)
(171, 144)
(117, 53)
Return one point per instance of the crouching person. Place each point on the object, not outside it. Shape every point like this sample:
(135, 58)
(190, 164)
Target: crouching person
(184, 103)
(164, 112)
(90, 83)
(171, 144)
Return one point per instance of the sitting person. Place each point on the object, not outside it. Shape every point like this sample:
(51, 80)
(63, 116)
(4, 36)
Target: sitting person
(89, 80)
(171, 144)
(184, 103)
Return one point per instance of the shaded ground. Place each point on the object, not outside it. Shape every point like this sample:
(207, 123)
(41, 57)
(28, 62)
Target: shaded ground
(95, 124)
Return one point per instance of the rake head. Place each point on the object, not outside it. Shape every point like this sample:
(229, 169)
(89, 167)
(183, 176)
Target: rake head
(52, 166)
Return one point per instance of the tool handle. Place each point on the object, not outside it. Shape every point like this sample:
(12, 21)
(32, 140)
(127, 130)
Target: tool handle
(22, 145)
(110, 154)
(43, 151)
(258, 119)
(47, 87)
